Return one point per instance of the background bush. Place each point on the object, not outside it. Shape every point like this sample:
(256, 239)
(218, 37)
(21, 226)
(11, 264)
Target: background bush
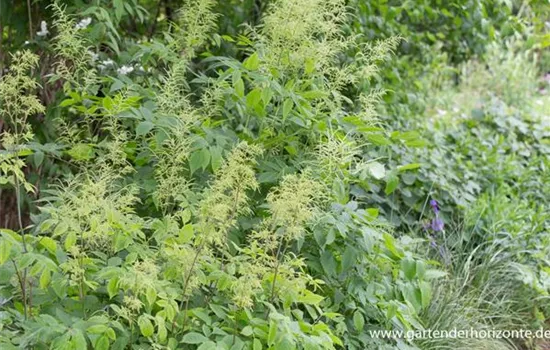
(281, 175)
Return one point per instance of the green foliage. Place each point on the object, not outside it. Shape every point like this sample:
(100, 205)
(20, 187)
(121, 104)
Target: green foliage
(249, 175)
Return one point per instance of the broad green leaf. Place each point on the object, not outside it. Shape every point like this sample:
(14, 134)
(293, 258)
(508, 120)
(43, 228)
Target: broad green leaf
(102, 343)
(287, 107)
(426, 292)
(408, 266)
(328, 262)
(145, 326)
(97, 329)
(81, 151)
(199, 159)
(70, 240)
(272, 335)
(311, 298)
(378, 139)
(143, 128)
(392, 180)
(239, 87)
(253, 98)
(194, 338)
(358, 321)
(186, 233)
(45, 278)
(5, 249)
(377, 170)
(257, 345)
(252, 62)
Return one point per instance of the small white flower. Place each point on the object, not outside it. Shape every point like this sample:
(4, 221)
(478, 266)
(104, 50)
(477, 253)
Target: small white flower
(108, 62)
(43, 29)
(441, 112)
(85, 22)
(94, 56)
(125, 70)
(26, 42)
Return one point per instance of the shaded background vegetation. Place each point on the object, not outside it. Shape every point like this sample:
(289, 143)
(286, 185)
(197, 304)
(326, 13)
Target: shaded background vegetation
(146, 109)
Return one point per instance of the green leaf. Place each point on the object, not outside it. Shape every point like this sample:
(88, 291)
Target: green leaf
(247, 331)
(199, 159)
(143, 128)
(349, 258)
(378, 139)
(60, 229)
(358, 321)
(391, 182)
(5, 249)
(151, 295)
(257, 344)
(377, 170)
(314, 94)
(253, 98)
(112, 287)
(287, 107)
(408, 266)
(186, 233)
(97, 329)
(45, 278)
(252, 62)
(328, 262)
(272, 335)
(209, 345)
(146, 326)
(409, 166)
(216, 158)
(194, 338)
(81, 151)
(102, 343)
(426, 292)
(38, 158)
(239, 87)
(70, 240)
(310, 298)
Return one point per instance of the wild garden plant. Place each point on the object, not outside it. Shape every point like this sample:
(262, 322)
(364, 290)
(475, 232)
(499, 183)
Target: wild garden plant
(199, 189)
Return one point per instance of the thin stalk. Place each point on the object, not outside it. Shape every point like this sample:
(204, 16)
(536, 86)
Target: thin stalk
(23, 288)
(30, 18)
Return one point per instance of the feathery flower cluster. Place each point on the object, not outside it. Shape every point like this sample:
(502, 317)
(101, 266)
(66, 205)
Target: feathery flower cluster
(227, 196)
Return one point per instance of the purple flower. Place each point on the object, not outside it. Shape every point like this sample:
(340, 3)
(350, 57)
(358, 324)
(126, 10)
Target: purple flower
(437, 224)
(434, 205)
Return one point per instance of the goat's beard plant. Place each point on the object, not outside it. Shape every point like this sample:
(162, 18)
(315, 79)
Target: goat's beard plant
(145, 245)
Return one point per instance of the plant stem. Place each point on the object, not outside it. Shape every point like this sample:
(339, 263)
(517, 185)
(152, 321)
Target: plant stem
(22, 284)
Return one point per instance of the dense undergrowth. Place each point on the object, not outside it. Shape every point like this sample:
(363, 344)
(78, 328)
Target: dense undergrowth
(282, 175)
